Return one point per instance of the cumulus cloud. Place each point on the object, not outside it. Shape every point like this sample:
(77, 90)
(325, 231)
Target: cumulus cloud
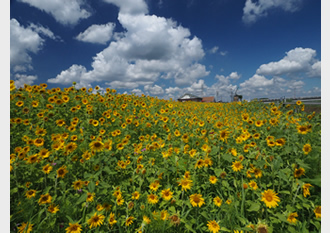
(296, 61)
(44, 31)
(64, 12)
(21, 79)
(153, 90)
(23, 41)
(130, 6)
(214, 50)
(259, 86)
(150, 48)
(137, 92)
(74, 74)
(253, 10)
(100, 34)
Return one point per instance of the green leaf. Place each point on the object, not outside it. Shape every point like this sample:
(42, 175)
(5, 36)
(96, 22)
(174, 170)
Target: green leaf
(217, 171)
(227, 157)
(254, 207)
(316, 181)
(225, 229)
(91, 186)
(189, 227)
(281, 217)
(70, 219)
(82, 198)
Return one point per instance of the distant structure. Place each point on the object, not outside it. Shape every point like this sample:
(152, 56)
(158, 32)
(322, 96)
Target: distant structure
(237, 97)
(209, 99)
(190, 97)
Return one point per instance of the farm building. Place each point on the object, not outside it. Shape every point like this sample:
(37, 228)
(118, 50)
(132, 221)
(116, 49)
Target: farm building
(209, 99)
(190, 97)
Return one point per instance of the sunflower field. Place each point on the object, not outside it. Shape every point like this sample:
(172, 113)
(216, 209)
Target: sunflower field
(82, 160)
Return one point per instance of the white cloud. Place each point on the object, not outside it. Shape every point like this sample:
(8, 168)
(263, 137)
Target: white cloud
(137, 92)
(97, 33)
(223, 53)
(122, 85)
(234, 75)
(253, 10)
(259, 86)
(296, 61)
(64, 11)
(21, 79)
(44, 31)
(214, 49)
(130, 6)
(151, 47)
(22, 42)
(153, 90)
(75, 73)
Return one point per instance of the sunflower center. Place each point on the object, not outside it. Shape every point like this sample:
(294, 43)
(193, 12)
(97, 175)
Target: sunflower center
(269, 198)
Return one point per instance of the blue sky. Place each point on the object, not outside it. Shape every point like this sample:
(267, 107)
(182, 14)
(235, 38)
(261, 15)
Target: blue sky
(165, 48)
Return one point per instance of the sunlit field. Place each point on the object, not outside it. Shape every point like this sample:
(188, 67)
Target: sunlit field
(86, 161)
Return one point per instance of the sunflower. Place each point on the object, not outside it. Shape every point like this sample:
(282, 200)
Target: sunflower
(306, 189)
(262, 228)
(292, 218)
(61, 172)
(106, 206)
(129, 221)
(213, 226)
(303, 129)
(120, 200)
(185, 184)
(299, 172)
(257, 172)
(60, 122)
(154, 186)
(95, 220)
(270, 198)
(224, 134)
(307, 148)
(164, 215)
(217, 201)
(96, 146)
(177, 133)
(207, 161)
(73, 228)
(39, 142)
(112, 219)
(30, 193)
(90, 197)
(317, 212)
(77, 184)
(280, 142)
(146, 219)
(53, 209)
(32, 159)
(199, 163)
(167, 194)
(19, 103)
(186, 174)
(152, 198)
(45, 199)
(26, 227)
(259, 123)
(135, 195)
(70, 147)
(237, 166)
(196, 199)
(44, 153)
(253, 185)
(213, 179)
